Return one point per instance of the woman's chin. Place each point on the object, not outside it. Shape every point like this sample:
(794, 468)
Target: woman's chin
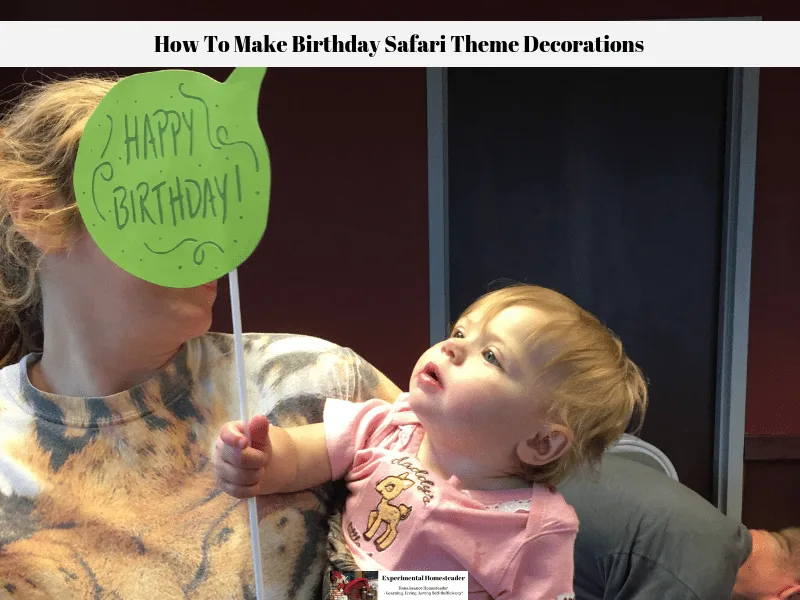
(203, 326)
(192, 323)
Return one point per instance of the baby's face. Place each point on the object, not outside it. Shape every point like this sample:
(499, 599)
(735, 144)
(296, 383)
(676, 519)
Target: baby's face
(479, 386)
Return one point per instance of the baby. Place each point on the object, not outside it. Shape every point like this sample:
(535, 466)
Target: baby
(459, 473)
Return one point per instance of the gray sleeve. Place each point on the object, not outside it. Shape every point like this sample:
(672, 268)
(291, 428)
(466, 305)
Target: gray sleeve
(669, 541)
(633, 577)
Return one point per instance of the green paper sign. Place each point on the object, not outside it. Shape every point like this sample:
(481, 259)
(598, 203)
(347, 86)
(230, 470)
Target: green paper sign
(172, 176)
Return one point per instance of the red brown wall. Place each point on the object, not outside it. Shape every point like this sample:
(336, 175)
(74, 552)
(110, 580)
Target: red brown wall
(772, 447)
(345, 255)
(773, 395)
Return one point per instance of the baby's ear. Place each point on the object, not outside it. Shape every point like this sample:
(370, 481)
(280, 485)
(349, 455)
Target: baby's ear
(545, 447)
(791, 593)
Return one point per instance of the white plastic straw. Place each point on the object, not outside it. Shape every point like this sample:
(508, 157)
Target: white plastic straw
(236, 311)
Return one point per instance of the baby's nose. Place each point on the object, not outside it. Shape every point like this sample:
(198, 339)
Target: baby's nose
(453, 350)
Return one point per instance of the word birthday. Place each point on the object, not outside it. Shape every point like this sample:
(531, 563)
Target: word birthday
(172, 202)
(392, 44)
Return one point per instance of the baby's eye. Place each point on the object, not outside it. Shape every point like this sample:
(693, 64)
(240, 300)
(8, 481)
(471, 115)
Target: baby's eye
(490, 357)
(458, 333)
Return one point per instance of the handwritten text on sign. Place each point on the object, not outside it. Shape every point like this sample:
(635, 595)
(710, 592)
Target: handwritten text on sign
(172, 177)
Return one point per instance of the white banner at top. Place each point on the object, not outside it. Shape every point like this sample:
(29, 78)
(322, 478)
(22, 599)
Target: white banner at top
(154, 44)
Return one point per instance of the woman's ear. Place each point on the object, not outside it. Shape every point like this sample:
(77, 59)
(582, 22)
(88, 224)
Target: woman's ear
(545, 447)
(28, 214)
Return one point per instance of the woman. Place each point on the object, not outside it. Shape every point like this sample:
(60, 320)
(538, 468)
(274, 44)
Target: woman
(108, 421)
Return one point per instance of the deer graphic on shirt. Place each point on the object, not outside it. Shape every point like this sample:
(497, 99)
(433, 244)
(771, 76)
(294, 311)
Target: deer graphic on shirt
(390, 488)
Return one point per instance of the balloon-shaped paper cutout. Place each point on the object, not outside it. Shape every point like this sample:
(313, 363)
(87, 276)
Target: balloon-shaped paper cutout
(172, 176)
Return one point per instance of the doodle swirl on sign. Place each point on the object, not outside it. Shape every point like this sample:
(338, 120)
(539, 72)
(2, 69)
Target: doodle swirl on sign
(172, 177)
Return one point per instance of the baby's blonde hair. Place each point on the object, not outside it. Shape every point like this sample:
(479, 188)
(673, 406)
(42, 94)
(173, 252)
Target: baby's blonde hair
(593, 387)
(39, 135)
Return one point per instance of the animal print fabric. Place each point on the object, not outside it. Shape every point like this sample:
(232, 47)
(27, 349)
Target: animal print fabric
(114, 497)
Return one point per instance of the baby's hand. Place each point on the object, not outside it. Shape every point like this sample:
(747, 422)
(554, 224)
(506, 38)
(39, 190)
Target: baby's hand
(241, 467)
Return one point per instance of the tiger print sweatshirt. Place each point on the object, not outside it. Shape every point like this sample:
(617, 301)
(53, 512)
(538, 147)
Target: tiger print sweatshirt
(114, 497)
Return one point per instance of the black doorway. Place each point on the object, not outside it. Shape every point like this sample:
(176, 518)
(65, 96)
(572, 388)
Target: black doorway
(607, 185)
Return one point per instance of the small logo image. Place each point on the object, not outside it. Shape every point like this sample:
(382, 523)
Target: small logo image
(386, 512)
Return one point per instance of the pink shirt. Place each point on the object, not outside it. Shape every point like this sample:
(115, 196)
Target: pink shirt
(399, 517)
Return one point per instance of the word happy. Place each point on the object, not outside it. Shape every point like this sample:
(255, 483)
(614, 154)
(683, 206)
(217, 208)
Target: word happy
(305, 44)
(157, 135)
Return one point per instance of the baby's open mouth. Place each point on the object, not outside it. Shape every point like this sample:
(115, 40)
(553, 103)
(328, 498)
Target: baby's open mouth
(431, 372)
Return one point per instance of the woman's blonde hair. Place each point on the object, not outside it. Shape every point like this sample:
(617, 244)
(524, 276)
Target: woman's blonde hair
(39, 135)
(594, 388)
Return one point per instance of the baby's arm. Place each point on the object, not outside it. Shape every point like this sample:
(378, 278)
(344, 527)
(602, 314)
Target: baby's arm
(276, 461)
